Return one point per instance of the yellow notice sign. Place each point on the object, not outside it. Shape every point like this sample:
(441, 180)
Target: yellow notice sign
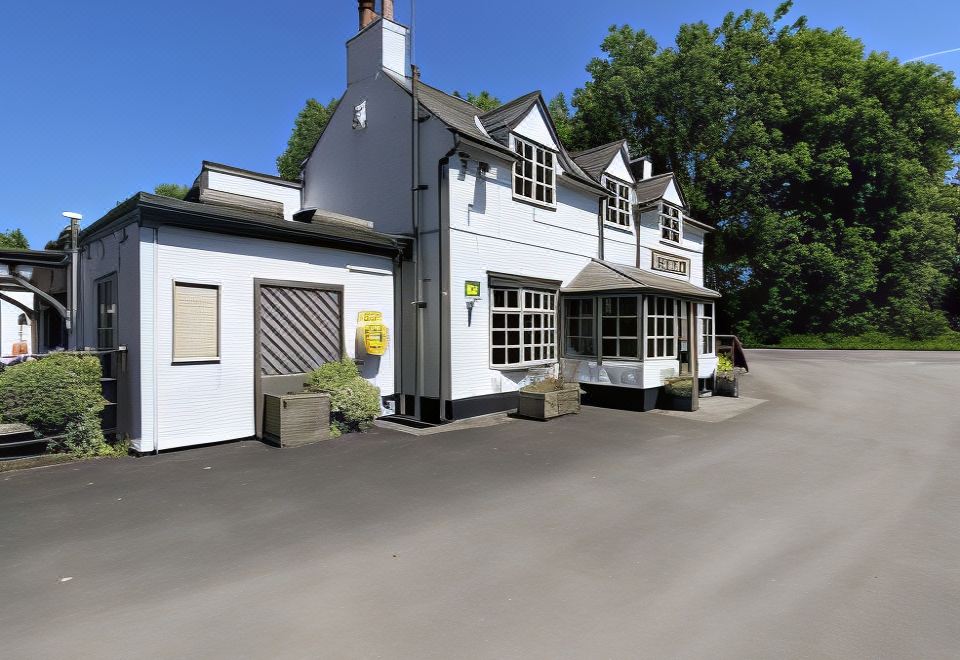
(471, 289)
(372, 333)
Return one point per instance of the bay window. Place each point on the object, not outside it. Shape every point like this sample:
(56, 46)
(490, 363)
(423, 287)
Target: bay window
(533, 174)
(618, 203)
(522, 327)
(619, 328)
(579, 328)
(661, 332)
(707, 338)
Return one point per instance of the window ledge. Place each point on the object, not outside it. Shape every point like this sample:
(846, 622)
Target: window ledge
(535, 203)
(522, 367)
(195, 361)
(622, 229)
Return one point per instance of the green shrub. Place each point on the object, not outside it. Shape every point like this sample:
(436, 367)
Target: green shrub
(724, 363)
(354, 402)
(680, 387)
(57, 395)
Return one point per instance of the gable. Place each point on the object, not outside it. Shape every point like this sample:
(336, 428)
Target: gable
(672, 195)
(535, 126)
(619, 167)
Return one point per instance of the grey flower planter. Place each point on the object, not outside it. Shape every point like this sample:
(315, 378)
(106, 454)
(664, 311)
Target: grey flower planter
(547, 405)
(724, 386)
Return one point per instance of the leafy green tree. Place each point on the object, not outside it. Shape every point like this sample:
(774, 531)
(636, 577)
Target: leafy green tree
(14, 239)
(307, 129)
(485, 101)
(175, 190)
(823, 167)
(562, 119)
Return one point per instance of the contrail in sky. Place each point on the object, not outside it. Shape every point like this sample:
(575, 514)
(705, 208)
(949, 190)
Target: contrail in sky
(939, 52)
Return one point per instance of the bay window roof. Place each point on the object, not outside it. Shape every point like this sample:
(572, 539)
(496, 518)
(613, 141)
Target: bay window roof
(603, 276)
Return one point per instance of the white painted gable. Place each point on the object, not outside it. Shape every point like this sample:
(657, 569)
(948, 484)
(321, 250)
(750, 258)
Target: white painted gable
(672, 195)
(536, 127)
(619, 168)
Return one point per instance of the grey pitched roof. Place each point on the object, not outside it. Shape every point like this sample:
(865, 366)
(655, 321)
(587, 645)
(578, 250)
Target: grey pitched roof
(653, 188)
(600, 275)
(462, 116)
(595, 161)
(325, 228)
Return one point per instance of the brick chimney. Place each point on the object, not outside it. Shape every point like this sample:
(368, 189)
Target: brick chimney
(367, 12)
(388, 9)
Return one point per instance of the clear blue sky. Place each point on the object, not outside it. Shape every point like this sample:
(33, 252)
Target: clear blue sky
(101, 99)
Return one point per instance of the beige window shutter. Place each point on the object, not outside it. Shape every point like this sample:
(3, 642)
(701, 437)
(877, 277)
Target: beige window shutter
(196, 322)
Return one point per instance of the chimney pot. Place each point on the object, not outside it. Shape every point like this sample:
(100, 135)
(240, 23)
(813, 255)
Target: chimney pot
(388, 9)
(367, 12)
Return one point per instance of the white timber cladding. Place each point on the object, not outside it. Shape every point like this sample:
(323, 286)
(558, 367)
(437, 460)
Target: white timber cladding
(534, 127)
(619, 168)
(213, 401)
(238, 184)
(690, 246)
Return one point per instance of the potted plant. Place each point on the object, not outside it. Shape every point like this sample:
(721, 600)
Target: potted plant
(548, 398)
(727, 380)
(679, 393)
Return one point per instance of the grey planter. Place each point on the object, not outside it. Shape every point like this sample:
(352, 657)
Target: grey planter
(292, 420)
(682, 403)
(727, 387)
(547, 405)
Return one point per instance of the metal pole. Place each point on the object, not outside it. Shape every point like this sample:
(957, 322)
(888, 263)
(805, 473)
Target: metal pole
(72, 308)
(692, 347)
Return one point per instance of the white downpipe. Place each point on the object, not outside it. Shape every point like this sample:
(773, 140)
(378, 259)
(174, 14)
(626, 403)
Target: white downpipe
(156, 362)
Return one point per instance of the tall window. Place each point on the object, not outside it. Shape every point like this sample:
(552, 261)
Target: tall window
(661, 327)
(706, 329)
(107, 312)
(533, 176)
(618, 203)
(579, 329)
(670, 218)
(523, 327)
(619, 328)
(196, 322)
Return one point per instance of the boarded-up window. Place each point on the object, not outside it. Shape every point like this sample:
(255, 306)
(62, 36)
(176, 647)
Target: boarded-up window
(196, 322)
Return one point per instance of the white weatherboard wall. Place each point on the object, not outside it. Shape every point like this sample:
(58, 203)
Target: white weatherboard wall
(203, 403)
(288, 195)
(492, 232)
(9, 328)
(690, 247)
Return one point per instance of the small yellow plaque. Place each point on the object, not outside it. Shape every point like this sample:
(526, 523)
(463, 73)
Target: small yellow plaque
(471, 289)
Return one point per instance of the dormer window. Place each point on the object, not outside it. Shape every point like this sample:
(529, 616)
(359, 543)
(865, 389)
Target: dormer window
(670, 219)
(533, 175)
(618, 203)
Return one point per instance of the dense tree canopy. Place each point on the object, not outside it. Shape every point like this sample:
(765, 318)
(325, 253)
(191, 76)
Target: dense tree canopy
(175, 190)
(485, 101)
(307, 129)
(14, 239)
(823, 167)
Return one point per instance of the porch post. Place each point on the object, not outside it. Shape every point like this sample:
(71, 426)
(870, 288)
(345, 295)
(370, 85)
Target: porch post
(692, 348)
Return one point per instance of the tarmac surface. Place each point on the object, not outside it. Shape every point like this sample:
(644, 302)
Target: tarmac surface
(821, 522)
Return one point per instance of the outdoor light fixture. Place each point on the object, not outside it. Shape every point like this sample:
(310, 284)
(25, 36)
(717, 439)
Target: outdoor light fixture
(72, 216)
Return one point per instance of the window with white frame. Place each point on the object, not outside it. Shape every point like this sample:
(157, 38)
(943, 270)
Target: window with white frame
(661, 315)
(579, 328)
(618, 203)
(196, 322)
(670, 219)
(533, 174)
(523, 327)
(619, 328)
(707, 337)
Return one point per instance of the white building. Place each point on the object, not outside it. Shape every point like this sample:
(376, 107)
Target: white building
(219, 300)
(581, 260)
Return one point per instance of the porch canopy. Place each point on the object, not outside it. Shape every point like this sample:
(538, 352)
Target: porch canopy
(605, 277)
(45, 274)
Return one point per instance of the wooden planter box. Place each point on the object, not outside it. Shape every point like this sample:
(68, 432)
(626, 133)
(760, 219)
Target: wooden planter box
(291, 420)
(547, 405)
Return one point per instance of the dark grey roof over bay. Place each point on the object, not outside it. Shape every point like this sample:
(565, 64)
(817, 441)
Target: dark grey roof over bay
(600, 276)
(325, 228)
(653, 188)
(595, 161)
